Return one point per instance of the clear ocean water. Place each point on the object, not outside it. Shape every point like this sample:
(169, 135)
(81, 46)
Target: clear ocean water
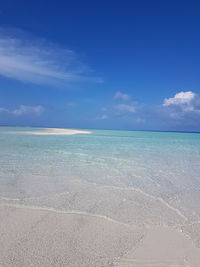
(161, 164)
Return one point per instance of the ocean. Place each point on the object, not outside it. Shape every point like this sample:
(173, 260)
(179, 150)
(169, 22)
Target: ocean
(140, 178)
(158, 163)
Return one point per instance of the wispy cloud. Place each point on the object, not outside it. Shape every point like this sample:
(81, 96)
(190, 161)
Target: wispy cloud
(129, 107)
(126, 108)
(121, 96)
(3, 109)
(24, 110)
(179, 112)
(40, 62)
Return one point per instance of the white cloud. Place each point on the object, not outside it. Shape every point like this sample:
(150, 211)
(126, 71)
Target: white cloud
(130, 107)
(184, 101)
(39, 62)
(180, 98)
(121, 96)
(125, 108)
(24, 110)
(37, 110)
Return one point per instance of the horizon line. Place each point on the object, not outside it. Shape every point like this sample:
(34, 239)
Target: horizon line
(134, 130)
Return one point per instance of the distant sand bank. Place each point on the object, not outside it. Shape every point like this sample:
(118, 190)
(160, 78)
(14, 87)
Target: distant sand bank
(55, 131)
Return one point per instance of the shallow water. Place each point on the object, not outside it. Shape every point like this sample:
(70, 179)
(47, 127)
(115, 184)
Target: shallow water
(156, 162)
(131, 177)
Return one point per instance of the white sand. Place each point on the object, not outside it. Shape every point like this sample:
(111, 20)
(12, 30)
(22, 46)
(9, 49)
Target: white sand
(54, 131)
(163, 247)
(87, 225)
(33, 236)
(38, 237)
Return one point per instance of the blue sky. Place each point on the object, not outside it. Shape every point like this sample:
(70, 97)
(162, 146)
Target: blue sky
(100, 64)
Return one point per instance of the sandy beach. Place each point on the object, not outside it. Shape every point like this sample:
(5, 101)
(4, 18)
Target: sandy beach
(39, 237)
(32, 236)
(87, 225)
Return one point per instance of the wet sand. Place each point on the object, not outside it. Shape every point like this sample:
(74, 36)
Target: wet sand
(89, 225)
(163, 247)
(39, 237)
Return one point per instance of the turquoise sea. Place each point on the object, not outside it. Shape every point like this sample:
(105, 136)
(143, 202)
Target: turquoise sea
(109, 198)
(165, 165)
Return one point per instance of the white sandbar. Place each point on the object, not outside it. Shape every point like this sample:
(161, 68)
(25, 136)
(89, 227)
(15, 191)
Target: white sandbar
(55, 131)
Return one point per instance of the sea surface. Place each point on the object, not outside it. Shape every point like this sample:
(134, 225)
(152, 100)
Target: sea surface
(139, 178)
(159, 163)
